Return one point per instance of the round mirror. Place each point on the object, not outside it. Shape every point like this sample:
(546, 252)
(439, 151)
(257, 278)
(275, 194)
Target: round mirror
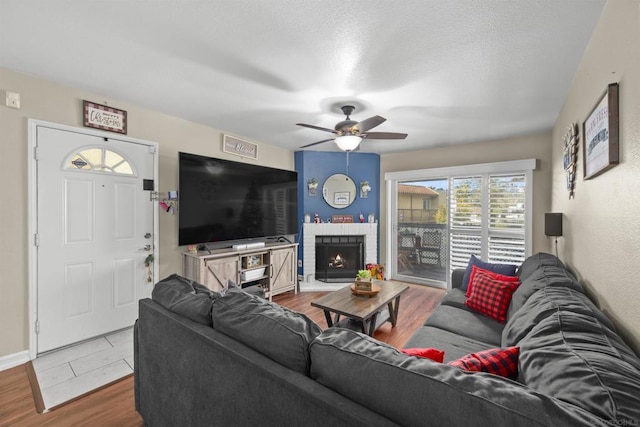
(339, 191)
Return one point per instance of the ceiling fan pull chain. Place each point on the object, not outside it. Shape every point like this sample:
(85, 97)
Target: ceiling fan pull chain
(347, 163)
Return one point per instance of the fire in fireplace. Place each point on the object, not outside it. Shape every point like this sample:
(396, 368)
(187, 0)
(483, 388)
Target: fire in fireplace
(338, 258)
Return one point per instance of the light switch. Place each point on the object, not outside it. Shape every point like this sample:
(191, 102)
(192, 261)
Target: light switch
(13, 100)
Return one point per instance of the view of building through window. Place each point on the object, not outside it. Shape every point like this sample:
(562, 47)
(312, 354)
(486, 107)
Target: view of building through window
(422, 229)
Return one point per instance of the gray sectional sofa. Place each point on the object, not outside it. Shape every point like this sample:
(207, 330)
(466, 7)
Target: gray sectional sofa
(203, 358)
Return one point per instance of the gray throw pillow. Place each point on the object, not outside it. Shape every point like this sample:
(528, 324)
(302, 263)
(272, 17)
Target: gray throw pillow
(185, 297)
(275, 331)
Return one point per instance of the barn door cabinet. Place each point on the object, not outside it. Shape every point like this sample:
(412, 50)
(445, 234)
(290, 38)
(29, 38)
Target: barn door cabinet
(272, 267)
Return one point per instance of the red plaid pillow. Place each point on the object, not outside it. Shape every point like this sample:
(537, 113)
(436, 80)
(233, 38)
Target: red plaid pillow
(497, 361)
(428, 353)
(491, 296)
(495, 276)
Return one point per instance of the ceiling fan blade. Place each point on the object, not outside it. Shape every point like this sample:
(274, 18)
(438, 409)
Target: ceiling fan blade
(384, 135)
(315, 127)
(316, 143)
(369, 123)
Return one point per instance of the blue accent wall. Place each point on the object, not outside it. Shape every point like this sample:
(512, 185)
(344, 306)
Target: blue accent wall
(321, 165)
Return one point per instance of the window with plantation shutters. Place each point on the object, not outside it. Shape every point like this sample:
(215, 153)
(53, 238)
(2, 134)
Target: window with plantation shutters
(465, 219)
(482, 209)
(506, 201)
(487, 218)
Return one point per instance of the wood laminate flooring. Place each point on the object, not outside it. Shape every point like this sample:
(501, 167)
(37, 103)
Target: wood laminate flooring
(114, 405)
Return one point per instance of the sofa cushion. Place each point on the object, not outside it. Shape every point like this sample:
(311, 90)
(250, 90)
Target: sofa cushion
(467, 323)
(454, 346)
(539, 279)
(573, 356)
(275, 331)
(497, 361)
(413, 392)
(506, 269)
(428, 353)
(534, 262)
(490, 295)
(454, 297)
(185, 297)
(543, 304)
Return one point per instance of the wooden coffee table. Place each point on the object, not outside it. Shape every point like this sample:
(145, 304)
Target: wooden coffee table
(361, 307)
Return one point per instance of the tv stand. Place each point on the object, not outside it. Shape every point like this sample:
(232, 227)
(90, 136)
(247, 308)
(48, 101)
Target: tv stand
(271, 266)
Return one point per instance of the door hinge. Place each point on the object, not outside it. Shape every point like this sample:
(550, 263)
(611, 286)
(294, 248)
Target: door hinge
(37, 326)
(36, 153)
(36, 240)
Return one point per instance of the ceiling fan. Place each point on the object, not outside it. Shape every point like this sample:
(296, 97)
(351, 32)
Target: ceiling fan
(348, 133)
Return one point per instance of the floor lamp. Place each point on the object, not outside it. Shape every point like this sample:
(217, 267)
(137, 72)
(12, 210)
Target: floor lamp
(553, 226)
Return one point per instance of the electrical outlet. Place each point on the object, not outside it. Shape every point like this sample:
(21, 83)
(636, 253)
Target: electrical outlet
(299, 263)
(12, 100)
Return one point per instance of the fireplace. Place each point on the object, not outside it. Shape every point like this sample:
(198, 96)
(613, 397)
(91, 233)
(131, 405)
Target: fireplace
(338, 258)
(308, 282)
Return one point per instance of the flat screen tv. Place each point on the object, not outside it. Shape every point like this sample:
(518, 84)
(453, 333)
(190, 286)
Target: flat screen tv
(223, 200)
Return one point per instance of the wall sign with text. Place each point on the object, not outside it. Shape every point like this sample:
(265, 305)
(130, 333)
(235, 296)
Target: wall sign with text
(601, 134)
(103, 117)
(240, 147)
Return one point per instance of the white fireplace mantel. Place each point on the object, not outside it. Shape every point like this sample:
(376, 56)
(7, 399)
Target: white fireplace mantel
(311, 230)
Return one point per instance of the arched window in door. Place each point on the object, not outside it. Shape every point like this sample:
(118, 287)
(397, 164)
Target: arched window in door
(99, 159)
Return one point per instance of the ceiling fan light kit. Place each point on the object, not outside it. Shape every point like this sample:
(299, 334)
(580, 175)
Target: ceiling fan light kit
(348, 142)
(348, 133)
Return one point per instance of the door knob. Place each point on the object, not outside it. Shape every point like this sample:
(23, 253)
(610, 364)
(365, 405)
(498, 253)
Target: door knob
(146, 248)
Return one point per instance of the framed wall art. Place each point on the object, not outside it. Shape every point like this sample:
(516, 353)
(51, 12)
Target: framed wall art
(103, 117)
(601, 135)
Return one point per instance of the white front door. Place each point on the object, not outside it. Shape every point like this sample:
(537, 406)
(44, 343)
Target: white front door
(94, 232)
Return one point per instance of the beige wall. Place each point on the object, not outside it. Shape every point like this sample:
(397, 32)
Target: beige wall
(55, 103)
(526, 147)
(602, 224)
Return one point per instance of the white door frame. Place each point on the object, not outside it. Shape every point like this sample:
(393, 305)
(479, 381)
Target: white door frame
(32, 211)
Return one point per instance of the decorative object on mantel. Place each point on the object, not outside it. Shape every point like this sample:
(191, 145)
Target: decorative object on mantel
(342, 218)
(239, 147)
(364, 189)
(104, 118)
(601, 134)
(570, 157)
(307, 218)
(312, 185)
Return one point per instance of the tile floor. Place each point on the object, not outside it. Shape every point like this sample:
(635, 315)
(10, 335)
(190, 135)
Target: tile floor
(318, 286)
(75, 370)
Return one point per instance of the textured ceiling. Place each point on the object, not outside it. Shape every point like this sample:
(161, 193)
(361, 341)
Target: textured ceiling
(445, 72)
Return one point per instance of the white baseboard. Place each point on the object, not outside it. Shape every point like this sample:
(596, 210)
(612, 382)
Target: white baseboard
(15, 359)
